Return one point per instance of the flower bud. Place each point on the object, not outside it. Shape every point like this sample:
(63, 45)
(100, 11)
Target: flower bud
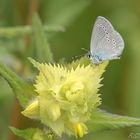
(32, 110)
(79, 130)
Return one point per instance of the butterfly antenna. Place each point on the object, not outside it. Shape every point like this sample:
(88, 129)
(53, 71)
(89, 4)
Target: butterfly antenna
(78, 56)
(85, 49)
(81, 54)
(88, 53)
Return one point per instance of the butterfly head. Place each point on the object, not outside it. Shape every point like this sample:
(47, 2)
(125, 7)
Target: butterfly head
(94, 58)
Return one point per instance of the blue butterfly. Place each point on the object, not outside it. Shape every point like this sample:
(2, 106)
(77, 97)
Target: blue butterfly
(106, 43)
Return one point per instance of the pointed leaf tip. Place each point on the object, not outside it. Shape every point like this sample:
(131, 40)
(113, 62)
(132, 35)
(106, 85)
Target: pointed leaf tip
(24, 91)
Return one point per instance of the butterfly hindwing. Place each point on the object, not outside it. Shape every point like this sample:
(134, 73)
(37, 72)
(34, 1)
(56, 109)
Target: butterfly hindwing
(110, 47)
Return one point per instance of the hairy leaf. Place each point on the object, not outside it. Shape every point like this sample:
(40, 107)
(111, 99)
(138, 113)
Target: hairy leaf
(102, 120)
(23, 90)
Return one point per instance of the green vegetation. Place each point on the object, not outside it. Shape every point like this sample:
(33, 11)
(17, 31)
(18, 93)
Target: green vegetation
(65, 27)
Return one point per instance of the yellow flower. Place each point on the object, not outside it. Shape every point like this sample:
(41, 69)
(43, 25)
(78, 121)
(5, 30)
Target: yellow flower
(67, 95)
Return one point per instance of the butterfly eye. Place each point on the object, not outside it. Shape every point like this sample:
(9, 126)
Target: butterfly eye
(89, 55)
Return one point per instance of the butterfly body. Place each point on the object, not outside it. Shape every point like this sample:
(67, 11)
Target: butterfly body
(106, 43)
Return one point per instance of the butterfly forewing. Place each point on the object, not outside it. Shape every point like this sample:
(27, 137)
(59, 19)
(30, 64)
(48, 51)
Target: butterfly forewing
(101, 28)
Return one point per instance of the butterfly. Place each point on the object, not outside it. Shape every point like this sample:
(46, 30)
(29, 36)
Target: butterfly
(106, 42)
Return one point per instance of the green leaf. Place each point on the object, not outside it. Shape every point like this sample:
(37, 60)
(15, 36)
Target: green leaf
(42, 48)
(102, 120)
(32, 134)
(24, 91)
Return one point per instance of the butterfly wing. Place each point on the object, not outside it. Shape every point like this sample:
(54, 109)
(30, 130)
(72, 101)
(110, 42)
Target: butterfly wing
(106, 43)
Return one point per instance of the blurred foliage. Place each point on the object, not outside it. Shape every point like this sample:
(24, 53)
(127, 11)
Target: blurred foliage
(121, 90)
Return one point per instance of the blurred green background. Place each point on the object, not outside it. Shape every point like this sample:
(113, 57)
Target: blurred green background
(121, 91)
